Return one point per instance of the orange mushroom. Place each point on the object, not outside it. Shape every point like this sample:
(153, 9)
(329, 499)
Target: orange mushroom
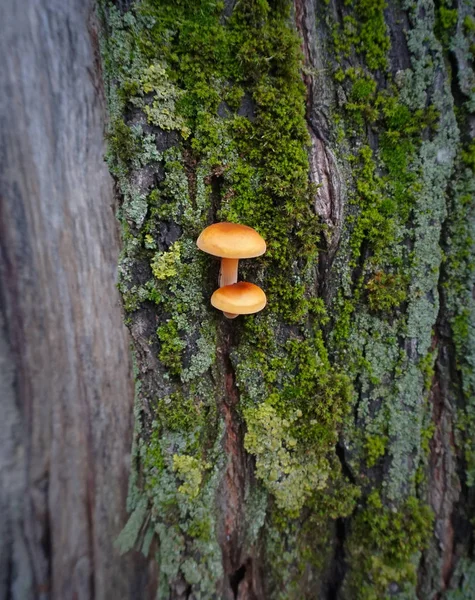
(230, 242)
(241, 298)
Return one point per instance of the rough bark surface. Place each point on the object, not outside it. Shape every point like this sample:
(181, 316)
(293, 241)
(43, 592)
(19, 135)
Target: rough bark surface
(66, 390)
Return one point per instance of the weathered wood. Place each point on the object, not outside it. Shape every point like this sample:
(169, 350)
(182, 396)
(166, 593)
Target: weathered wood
(66, 388)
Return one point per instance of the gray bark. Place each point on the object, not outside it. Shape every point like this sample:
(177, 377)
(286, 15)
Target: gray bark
(66, 390)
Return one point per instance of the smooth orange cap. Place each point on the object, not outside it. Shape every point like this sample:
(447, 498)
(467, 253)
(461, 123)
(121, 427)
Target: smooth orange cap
(241, 298)
(231, 240)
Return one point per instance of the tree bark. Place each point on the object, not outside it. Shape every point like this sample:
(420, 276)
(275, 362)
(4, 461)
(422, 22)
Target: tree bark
(322, 448)
(65, 377)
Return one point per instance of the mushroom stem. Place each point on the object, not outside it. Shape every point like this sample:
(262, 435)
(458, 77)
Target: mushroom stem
(228, 275)
(229, 271)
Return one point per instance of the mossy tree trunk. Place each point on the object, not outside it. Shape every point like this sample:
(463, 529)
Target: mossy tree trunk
(322, 448)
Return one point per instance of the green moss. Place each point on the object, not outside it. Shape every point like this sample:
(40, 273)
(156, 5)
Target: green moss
(448, 17)
(426, 365)
(364, 32)
(375, 448)
(468, 156)
(385, 545)
(386, 291)
(445, 22)
(469, 24)
(426, 437)
(181, 414)
(171, 346)
(122, 144)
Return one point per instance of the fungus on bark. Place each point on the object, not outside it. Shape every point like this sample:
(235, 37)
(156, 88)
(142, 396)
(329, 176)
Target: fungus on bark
(230, 241)
(241, 298)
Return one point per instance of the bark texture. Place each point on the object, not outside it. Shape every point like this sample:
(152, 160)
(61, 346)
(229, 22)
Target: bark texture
(66, 388)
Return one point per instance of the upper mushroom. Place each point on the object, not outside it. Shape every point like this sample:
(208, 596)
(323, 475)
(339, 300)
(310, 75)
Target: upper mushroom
(231, 241)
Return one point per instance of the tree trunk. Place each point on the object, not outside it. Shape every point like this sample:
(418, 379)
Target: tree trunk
(321, 448)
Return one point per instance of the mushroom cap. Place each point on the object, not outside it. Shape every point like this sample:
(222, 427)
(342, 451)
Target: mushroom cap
(240, 298)
(231, 240)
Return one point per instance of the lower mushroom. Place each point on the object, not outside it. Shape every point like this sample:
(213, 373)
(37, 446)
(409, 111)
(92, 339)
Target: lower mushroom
(241, 298)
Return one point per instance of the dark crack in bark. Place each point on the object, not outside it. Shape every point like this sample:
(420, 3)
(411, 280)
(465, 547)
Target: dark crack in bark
(241, 579)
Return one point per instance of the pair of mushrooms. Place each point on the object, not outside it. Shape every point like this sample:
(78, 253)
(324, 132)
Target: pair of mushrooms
(231, 242)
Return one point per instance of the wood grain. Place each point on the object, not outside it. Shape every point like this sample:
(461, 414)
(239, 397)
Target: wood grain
(66, 389)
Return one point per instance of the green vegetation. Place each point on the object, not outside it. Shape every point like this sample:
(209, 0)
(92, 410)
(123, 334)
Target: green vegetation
(208, 123)
(164, 264)
(364, 33)
(293, 433)
(383, 546)
(446, 21)
(458, 278)
(458, 284)
(190, 470)
(375, 447)
(387, 302)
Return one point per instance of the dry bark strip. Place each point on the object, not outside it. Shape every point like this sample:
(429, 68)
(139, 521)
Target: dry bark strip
(66, 390)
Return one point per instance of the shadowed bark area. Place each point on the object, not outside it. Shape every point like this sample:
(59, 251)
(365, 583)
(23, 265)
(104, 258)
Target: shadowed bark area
(66, 390)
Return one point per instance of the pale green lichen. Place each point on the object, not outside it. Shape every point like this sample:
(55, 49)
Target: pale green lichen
(166, 264)
(289, 474)
(162, 109)
(190, 470)
(464, 578)
(127, 539)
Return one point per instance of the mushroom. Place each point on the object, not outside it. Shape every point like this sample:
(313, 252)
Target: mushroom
(241, 298)
(230, 242)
